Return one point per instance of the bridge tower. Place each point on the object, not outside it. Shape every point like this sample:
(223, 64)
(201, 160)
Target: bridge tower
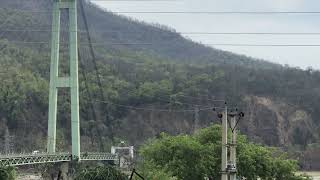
(57, 82)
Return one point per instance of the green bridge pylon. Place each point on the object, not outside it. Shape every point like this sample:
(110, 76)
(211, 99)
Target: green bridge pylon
(57, 82)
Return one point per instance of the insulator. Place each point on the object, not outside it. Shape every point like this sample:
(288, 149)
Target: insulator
(241, 114)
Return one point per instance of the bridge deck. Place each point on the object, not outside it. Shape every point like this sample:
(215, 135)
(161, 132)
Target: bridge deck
(25, 159)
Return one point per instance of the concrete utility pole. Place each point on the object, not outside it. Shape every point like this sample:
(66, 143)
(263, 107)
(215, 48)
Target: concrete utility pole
(233, 145)
(224, 152)
(228, 164)
(64, 82)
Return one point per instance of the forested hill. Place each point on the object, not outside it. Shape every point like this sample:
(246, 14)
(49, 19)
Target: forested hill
(145, 87)
(156, 40)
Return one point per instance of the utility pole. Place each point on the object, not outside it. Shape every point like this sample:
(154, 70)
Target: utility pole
(64, 82)
(224, 152)
(233, 145)
(228, 164)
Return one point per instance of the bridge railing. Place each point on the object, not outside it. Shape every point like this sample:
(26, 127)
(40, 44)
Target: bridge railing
(26, 159)
(89, 156)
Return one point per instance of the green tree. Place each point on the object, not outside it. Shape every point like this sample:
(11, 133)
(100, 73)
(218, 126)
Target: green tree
(182, 156)
(198, 156)
(7, 173)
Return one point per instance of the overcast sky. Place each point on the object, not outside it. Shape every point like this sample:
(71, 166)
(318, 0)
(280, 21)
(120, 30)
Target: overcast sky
(294, 56)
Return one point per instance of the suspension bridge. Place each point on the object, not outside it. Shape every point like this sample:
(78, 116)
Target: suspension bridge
(56, 82)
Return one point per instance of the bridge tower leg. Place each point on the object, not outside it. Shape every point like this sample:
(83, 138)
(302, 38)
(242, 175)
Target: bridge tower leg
(64, 82)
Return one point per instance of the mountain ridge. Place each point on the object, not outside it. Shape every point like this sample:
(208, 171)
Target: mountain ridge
(282, 103)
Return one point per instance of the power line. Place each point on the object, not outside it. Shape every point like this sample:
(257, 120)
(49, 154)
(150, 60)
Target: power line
(188, 12)
(4, 23)
(192, 97)
(156, 109)
(267, 45)
(209, 108)
(216, 44)
(132, 0)
(171, 100)
(252, 33)
(136, 0)
(150, 43)
(217, 12)
(186, 33)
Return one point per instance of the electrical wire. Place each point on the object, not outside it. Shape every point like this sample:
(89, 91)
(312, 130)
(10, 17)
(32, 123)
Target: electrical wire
(3, 24)
(184, 33)
(192, 97)
(131, 0)
(189, 12)
(135, 0)
(159, 97)
(156, 109)
(209, 44)
(149, 44)
(217, 12)
(89, 39)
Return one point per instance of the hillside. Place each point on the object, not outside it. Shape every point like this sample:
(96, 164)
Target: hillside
(109, 28)
(282, 104)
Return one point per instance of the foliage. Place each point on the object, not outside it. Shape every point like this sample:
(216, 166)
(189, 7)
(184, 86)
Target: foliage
(132, 76)
(101, 173)
(151, 171)
(7, 173)
(176, 156)
(198, 156)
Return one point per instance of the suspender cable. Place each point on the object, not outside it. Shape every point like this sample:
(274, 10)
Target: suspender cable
(84, 17)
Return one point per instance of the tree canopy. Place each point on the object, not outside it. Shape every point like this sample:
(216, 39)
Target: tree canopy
(7, 173)
(197, 156)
